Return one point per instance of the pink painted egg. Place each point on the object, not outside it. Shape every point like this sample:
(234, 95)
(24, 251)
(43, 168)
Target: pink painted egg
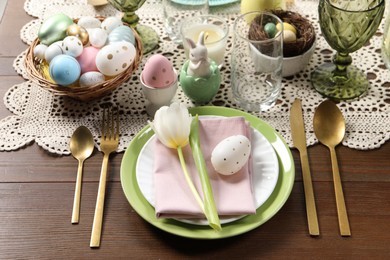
(158, 72)
(87, 59)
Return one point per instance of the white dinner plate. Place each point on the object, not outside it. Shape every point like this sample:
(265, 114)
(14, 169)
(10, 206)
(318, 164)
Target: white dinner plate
(265, 174)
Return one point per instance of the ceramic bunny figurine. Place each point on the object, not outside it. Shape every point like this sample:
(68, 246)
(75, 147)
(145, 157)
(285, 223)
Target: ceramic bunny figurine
(199, 65)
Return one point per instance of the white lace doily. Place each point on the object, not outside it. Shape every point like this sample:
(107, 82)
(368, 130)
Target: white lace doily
(50, 120)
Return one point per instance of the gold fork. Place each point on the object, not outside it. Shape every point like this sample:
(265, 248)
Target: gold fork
(108, 144)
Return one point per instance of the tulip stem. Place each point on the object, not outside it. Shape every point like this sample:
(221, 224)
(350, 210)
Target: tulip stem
(188, 178)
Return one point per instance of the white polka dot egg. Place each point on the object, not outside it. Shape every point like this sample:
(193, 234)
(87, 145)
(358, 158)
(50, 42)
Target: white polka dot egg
(231, 154)
(115, 58)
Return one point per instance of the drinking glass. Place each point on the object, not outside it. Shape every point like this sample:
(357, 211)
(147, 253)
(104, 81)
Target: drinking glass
(176, 10)
(148, 36)
(346, 25)
(256, 65)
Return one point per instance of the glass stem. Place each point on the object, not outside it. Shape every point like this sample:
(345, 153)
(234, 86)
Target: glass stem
(342, 61)
(131, 18)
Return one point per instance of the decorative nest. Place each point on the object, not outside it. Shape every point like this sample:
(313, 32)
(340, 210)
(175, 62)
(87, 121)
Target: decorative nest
(305, 32)
(38, 72)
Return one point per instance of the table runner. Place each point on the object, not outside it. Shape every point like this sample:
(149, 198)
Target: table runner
(50, 120)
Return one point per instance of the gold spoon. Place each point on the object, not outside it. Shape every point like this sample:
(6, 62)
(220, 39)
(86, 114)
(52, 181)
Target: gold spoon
(81, 147)
(329, 127)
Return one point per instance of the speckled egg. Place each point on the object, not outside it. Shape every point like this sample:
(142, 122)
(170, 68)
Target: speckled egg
(64, 70)
(97, 37)
(158, 72)
(89, 22)
(110, 23)
(122, 33)
(72, 46)
(270, 29)
(91, 78)
(115, 58)
(231, 154)
(87, 59)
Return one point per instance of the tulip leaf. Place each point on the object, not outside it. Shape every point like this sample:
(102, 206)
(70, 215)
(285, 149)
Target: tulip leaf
(210, 209)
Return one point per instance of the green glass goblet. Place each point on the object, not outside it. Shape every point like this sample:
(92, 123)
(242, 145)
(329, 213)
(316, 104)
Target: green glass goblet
(346, 25)
(148, 36)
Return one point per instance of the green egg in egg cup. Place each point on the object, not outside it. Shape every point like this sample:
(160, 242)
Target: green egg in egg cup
(158, 97)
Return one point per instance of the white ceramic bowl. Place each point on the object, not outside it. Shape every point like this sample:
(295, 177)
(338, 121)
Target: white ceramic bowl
(293, 65)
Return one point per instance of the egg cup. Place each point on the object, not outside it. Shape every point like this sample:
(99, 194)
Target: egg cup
(200, 90)
(158, 97)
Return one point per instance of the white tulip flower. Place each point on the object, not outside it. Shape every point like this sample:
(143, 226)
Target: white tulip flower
(172, 125)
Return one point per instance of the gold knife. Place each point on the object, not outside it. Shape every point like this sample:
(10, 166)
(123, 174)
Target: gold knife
(299, 141)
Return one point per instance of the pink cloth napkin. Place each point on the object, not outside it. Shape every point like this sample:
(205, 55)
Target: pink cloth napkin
(232, 194)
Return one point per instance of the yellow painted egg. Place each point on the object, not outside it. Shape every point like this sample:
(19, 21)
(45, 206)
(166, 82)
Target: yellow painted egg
(286, 27)
(289, 36)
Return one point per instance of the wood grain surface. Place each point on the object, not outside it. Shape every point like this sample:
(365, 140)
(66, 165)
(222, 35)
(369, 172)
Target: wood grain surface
(36, 195)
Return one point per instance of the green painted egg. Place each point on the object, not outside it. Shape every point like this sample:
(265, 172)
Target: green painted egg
(54, 28)
(270, 29)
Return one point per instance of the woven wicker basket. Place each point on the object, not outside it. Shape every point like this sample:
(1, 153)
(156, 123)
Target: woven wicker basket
(35, 66)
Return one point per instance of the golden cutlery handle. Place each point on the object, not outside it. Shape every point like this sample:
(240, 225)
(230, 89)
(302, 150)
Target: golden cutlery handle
(77, 194)
(340, 202)
(309, 196)
(98, 217)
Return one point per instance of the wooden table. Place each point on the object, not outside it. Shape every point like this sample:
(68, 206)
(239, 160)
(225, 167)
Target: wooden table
(36, 196)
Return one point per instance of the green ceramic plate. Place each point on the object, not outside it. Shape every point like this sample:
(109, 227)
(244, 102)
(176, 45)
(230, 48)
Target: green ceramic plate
(265, 212)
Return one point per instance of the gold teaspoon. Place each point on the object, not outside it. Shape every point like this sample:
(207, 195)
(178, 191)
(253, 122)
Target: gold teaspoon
(329, 127)
(81, 147)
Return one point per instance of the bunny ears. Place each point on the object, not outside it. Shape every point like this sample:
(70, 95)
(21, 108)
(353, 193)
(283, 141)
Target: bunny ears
(200, 40)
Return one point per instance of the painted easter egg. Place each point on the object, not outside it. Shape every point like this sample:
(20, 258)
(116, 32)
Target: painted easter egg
(39, 51)
(158, 72)
(91, 78)
(79, 32)
(110, 23)
(72, 46)
(54, 28)
(286, 27)
(53, 50)
(97, 37)
(88, 22)
(289, 36)
(87, 59)
(231, 154)
(122, 33)
(64, 70)
(270, 29)
(115, 58)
